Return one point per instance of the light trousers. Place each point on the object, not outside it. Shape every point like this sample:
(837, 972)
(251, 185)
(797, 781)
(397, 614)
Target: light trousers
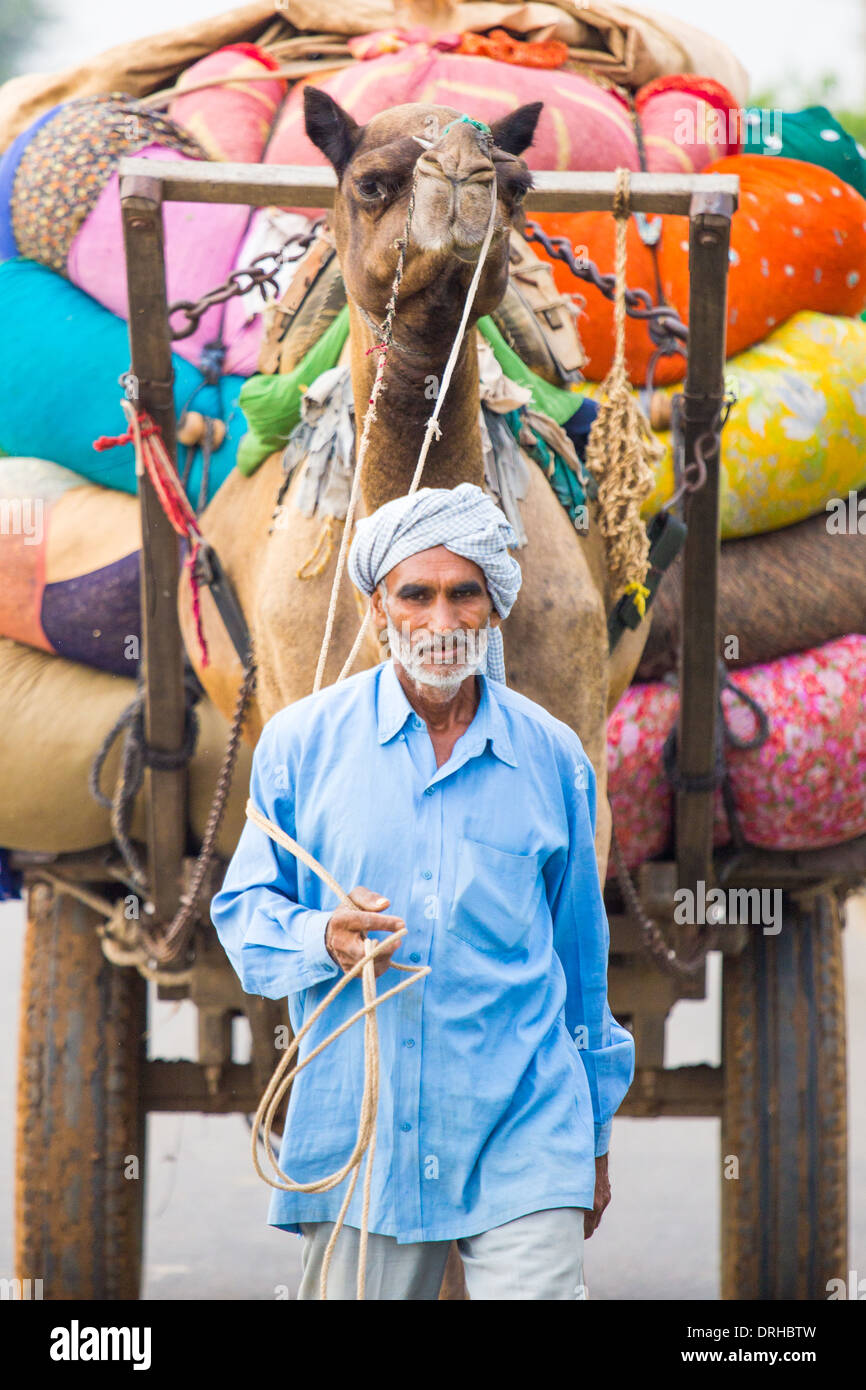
(538, 1257)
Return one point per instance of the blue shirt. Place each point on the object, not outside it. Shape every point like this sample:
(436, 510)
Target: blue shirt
(501, 1069)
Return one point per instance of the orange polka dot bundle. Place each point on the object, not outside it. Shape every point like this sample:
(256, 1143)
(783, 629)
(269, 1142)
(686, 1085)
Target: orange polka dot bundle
(798, 241)
(804, 788)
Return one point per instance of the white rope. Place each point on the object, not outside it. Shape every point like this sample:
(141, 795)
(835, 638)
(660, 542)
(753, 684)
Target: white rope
(365, 1144)
(433, 427)
(369, 416)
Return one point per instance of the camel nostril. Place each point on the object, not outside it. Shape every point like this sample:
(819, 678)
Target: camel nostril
(455, 172)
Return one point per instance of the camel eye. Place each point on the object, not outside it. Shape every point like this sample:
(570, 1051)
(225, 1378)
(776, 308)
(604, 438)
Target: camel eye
(371, 189)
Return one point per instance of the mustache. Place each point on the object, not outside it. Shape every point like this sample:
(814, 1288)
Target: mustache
(460, 643)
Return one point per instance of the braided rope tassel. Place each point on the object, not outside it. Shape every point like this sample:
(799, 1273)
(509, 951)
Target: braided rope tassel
(622, 450)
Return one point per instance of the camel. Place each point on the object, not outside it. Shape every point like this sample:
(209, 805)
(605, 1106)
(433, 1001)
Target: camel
(556, 641)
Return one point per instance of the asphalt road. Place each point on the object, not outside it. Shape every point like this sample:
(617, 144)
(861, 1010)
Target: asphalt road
(207, 1236)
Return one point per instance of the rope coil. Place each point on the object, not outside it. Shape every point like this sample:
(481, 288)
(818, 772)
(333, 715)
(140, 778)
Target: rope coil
(365, 1144)
(622, 449)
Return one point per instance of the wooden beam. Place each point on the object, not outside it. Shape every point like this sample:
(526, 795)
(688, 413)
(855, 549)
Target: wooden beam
(687, 1091)
(295, 185)
(162, 646)
(793, 868)
(709, 242)
(560, 191)
(175, 1086)
(656, 1091)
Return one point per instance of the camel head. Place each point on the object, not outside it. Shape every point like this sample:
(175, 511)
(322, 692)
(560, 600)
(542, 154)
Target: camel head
(456, 168)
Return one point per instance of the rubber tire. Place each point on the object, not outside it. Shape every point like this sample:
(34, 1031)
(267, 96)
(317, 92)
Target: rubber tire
(784, 1218)
(78, 1219)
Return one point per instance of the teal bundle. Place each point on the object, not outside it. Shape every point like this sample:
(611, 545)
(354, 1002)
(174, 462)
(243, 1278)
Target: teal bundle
(813, 135)
(61, 355)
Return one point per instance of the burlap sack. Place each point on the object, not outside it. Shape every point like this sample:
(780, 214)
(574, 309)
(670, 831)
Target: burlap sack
(782, 592)
(53, 716)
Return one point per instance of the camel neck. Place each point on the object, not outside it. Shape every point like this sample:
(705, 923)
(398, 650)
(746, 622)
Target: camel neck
(413, 373)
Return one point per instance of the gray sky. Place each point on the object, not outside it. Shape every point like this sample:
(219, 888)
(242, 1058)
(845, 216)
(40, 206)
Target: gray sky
(786, 44)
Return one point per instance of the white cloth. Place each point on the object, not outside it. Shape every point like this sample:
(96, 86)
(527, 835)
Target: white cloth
(463, 519)
(538, 1257)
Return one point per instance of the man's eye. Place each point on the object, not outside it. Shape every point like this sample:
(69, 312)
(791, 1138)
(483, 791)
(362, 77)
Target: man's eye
(371, 188)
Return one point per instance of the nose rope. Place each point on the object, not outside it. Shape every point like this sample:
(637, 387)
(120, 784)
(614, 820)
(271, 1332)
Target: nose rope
(467, 120)
(433, 428)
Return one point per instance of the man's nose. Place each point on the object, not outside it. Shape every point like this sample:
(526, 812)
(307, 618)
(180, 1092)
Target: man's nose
(443, 616)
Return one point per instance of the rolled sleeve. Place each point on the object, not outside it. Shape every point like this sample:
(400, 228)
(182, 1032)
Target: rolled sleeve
(317, 958)
(602, 1138)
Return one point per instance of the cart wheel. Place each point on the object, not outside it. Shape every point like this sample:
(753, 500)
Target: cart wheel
(80, 1123)
(784, 1216)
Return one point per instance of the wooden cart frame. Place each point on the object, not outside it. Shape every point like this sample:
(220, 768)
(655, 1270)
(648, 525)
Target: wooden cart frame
(781, 1087)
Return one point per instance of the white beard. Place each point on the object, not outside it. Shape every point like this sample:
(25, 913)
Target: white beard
(453, 656)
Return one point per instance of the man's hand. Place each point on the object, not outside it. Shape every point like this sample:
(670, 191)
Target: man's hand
(346, 930)
(600, 1200)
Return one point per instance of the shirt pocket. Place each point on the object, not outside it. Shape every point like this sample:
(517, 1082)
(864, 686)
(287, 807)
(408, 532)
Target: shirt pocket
(496, 897)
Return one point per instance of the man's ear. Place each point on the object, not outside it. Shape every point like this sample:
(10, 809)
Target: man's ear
(514, 132)
(380, 618)
(330, 128)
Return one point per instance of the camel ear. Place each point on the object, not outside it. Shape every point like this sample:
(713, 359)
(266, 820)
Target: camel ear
(514, 132)
(330, 128)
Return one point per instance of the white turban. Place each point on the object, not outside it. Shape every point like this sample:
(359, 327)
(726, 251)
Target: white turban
(463, 519)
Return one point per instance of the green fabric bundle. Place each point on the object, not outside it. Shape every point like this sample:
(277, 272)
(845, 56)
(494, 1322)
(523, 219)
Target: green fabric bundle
(272, 404)
(813, 135)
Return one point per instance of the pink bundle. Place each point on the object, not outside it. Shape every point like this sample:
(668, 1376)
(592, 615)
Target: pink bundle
(804, 788)
(231, 122)
(582, 125)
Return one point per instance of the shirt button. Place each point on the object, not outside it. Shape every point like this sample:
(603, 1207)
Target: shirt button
(405, 1126)
(427, 874)
(428, 791)
(415, 957)
(409, 1042)
(417, 723)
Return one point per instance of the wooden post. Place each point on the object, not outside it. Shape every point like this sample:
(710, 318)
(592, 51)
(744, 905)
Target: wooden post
(709, 241)
(162, 646)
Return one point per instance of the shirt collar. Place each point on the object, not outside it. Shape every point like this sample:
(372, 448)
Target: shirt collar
(393, 709)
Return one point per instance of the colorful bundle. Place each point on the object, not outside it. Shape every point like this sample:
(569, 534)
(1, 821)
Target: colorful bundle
(65, 355)
(798, 241)
(69, 567)
(582, 125)
(803, 788)
(796, 435)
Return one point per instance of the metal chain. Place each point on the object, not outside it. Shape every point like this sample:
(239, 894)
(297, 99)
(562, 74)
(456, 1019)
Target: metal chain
(666, 328)
(654, 944)
(256, 273)
(168, 945)
(693, 475)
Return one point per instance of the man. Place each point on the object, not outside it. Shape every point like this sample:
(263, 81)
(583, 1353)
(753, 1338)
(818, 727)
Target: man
(469, 812)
